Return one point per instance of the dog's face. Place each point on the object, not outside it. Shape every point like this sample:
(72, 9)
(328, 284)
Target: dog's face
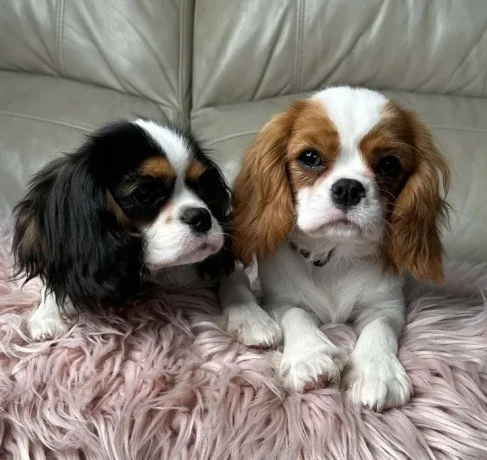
(349, 155)
(170, 191)
(345, 165)
(135, 198)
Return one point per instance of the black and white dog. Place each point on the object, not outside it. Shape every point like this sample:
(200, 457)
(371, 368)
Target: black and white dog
(138, 201)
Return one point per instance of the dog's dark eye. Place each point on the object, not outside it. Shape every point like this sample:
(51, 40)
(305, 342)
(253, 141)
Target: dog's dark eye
(146, 195)
(310, 159)
(389, 166)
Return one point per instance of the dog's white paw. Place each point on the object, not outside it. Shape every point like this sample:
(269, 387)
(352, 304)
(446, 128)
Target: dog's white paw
(46, 328)
(377, 382)
(303, 369)
(252, 325)
(45, 323)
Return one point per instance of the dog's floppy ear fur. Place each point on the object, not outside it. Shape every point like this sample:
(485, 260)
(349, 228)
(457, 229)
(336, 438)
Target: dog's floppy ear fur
(420, 211)
(218, 197)
(263, 205)
(70, 232)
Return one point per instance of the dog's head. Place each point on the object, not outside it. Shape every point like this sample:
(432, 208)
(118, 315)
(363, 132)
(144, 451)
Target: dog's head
(345, 165)
(136, 197)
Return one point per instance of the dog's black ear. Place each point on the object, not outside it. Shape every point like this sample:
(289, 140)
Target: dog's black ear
(218, 198)
(70, 232)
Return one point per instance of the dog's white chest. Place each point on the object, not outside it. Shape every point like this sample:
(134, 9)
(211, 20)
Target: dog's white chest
(331, 291)
(338, 288)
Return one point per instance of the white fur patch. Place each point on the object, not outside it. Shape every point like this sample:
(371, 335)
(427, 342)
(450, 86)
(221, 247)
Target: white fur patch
(354, 111)
(377, 381)
(252, 325)
(173, 145)
(243, 316)
(45, 322)
(309, 358)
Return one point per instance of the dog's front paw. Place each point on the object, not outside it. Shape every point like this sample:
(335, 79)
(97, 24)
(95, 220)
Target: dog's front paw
(302, 370)
(252, 326)
(42, 325)
(378, 382)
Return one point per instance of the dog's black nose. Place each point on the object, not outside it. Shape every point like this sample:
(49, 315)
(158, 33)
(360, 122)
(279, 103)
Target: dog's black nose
(347, 193)
(199, 219)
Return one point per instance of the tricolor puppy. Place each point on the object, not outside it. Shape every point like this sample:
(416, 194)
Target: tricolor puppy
(138, 201)
(338, 197)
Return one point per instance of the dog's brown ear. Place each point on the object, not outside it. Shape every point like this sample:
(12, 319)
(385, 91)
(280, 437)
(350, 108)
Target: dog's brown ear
(420, 211)
(263, 206)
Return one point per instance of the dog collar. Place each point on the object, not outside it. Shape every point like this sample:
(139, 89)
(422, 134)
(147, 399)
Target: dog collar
(306, 254)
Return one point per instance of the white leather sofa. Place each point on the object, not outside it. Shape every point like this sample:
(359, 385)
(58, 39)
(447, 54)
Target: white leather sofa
(223, 67)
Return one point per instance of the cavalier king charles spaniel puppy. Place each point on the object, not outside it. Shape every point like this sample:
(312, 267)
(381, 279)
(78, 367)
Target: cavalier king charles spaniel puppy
(338, 197)
(138, 202)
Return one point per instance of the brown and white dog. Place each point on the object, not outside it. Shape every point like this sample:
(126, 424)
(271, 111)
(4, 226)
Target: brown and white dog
(338, 197)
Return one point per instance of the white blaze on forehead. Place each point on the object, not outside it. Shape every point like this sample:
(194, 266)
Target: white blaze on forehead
(355, 112)
(174, 146)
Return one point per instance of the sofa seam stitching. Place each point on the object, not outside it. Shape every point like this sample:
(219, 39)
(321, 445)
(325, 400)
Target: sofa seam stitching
(298, 46)
(303, 27)
(181, 47)
(60, 35)
(58, 15)
(63, 35)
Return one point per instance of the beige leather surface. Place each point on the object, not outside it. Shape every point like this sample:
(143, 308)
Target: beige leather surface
(254, 49)
(137, 47)
(459, 125)
(42, 116)
(228, 65)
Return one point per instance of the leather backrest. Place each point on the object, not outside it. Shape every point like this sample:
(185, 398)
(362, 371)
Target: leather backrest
(139, 47)
(255, 49)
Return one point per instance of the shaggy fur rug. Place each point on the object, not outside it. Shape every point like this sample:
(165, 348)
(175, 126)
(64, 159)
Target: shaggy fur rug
(164, 382)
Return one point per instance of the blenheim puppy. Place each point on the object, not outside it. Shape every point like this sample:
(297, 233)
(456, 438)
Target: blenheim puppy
(338, 197)
(138, 202)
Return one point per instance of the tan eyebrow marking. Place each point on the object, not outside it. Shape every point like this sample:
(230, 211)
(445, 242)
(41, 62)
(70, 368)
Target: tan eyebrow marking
(312, 129)
(195, 170)
(157, 167)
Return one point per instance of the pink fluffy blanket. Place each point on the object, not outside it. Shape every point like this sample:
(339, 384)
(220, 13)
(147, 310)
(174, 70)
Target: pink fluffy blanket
(164, 382)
